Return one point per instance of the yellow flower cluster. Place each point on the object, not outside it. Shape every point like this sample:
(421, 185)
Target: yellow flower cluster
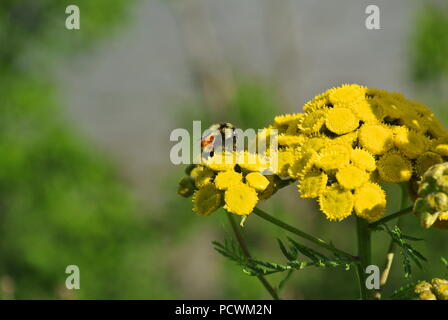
(436, 290)
(347, 141)
(351, 138)
(237, 187)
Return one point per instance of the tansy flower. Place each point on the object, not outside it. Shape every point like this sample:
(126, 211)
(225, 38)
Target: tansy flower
(376, 138)
(336, 203)
(257, 181)
(436, 129)
(206, 200)
(302, 164)
(293, 128)
(315, 143)
(373, 92)
(348, 139)
(425, 161)
(346, 95)
(368, 111)
(351, 177)
(409, 142)
(370, 202)
(285, 119)
(252, 162)
(341, 120)
(226, 179)
(202, 175)
(271, 188)
(319, 102)
(313, 121)
(442, 149)
(394, 168)
(285, 158)
(313, 184)
(240, 199)
(333, 157)
(290, 140)
(362, 159)
(413, 121)
(420, 108)
(391, 108)
(397, 96)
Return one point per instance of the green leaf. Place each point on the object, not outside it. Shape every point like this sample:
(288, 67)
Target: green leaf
(444, 261)
(308, 252)
(407, 251)
(289, 255)
(282, 283)
(411, 238)
(405, 292)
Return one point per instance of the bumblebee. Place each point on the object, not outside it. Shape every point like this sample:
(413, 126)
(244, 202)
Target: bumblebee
(210, 142)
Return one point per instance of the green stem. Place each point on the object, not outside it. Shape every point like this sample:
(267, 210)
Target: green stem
(243, 246)
(395, 215)
(391, 249)
(287, 227)
(364, 254)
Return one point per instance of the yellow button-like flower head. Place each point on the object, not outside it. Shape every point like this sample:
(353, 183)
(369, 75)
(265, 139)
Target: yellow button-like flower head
(347, 95)
(442, 149)
(341, 120)
(202, 175)
(206, 200)
(313, 121)
(370, 202)
(394, 168)
(368, 111)
(362, 159)
(336, 203)
(290, 140)
(302, 164)
(333, 157)
(257, 181)
(240, 199)
(376, 138)
(409, 142)
(285, 119)
(351, 177)
(313, 184)
(226, 179)
(319, 102)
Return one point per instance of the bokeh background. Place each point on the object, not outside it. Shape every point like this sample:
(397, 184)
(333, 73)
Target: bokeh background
(85, 117)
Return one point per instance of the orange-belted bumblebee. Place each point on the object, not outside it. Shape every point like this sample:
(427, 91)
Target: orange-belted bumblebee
(218, 135)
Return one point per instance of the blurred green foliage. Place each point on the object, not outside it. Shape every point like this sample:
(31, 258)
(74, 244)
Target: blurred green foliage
(29, 28)
(429, 45)
(61, 202)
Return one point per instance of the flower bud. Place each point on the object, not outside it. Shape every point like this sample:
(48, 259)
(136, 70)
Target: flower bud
(186, 187)
(432, 201)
